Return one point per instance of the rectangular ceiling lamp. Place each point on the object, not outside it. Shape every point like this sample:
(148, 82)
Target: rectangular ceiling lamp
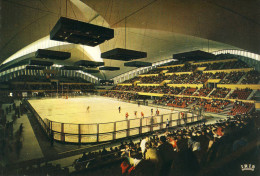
(137, 64)
(50, 54)
(194, 56)
(86, 63)
(33, 67)
(123, 54)
(106, 82)
(78, 32)
(71, 68)
(87, 70)
(41, 63)
(109, 68)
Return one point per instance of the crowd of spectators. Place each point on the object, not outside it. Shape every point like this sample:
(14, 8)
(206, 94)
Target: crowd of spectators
(218, 75)
(213, 105)
(151, 89)
(212, 66)
(203, 92)
(181, 79)
(155, 71)
(182, 151)
(174, 69)
(153, 79)
(181, 102)
(220, 93)
(240, 94)
(241, 108)
(234, 65)
(188, 91)
(233, 78)
(252, 77)
(120, 95)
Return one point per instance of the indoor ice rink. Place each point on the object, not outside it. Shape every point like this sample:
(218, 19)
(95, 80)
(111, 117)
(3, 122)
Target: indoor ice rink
(101, 110)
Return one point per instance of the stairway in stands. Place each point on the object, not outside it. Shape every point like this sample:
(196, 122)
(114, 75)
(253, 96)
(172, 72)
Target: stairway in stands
(211, 92)
(241, 79)
(251, 95)
(230, 92)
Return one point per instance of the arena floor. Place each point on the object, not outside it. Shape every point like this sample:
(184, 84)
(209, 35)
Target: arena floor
(101, 110)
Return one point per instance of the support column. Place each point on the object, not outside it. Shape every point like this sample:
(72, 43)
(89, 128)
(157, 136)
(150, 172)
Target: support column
(62, 133)
(140, 128)
(128, 126)
(114, 133)
(170, 121)
(98, 132)
(79, 132)
(161, 124)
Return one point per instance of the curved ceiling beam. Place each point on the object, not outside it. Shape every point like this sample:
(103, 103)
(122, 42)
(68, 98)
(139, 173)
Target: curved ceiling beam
(234, 23)
(92, 52)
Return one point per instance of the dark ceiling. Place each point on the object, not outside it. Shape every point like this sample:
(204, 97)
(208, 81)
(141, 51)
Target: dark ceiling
(158, 27)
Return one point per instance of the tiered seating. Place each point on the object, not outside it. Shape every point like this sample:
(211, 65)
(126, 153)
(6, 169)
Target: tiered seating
(214, 66)
(215, 106)
(234, 64)
(189, 91)
(173, 69)
(188, 68)
(153, 79)
(175, 90)
(218, 75)
(220, 93)
(180, 79)
(241, 94)
(252, 77)
(241, 108)
(201, 78)
(154, 71)
(233, 78)
(120, 95)
(225, 137)
(180, 102)
(203, 92)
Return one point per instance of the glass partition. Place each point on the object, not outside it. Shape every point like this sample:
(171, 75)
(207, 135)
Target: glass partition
(106, 127)
(134, 123)
(121, 134)
(165, 117)
(71, 128)
(105, 137)
(89, 133)
(88, 138)
(122, 125)
(71, 138)
(88, 128)
(56, 126)
(133, 131)
(145, 129)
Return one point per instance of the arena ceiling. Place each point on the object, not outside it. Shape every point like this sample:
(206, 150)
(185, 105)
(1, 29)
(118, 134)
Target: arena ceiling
(158, 27)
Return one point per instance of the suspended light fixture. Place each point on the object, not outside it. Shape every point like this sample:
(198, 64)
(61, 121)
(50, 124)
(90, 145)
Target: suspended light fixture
(137, 64)
(123, 54)
(50, 54)
(78, 32)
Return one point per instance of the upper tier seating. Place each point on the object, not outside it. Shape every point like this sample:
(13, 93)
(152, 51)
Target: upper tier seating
(240, 94)
(220, 93)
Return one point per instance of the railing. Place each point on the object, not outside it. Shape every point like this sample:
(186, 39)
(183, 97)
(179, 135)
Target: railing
(100, 132)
